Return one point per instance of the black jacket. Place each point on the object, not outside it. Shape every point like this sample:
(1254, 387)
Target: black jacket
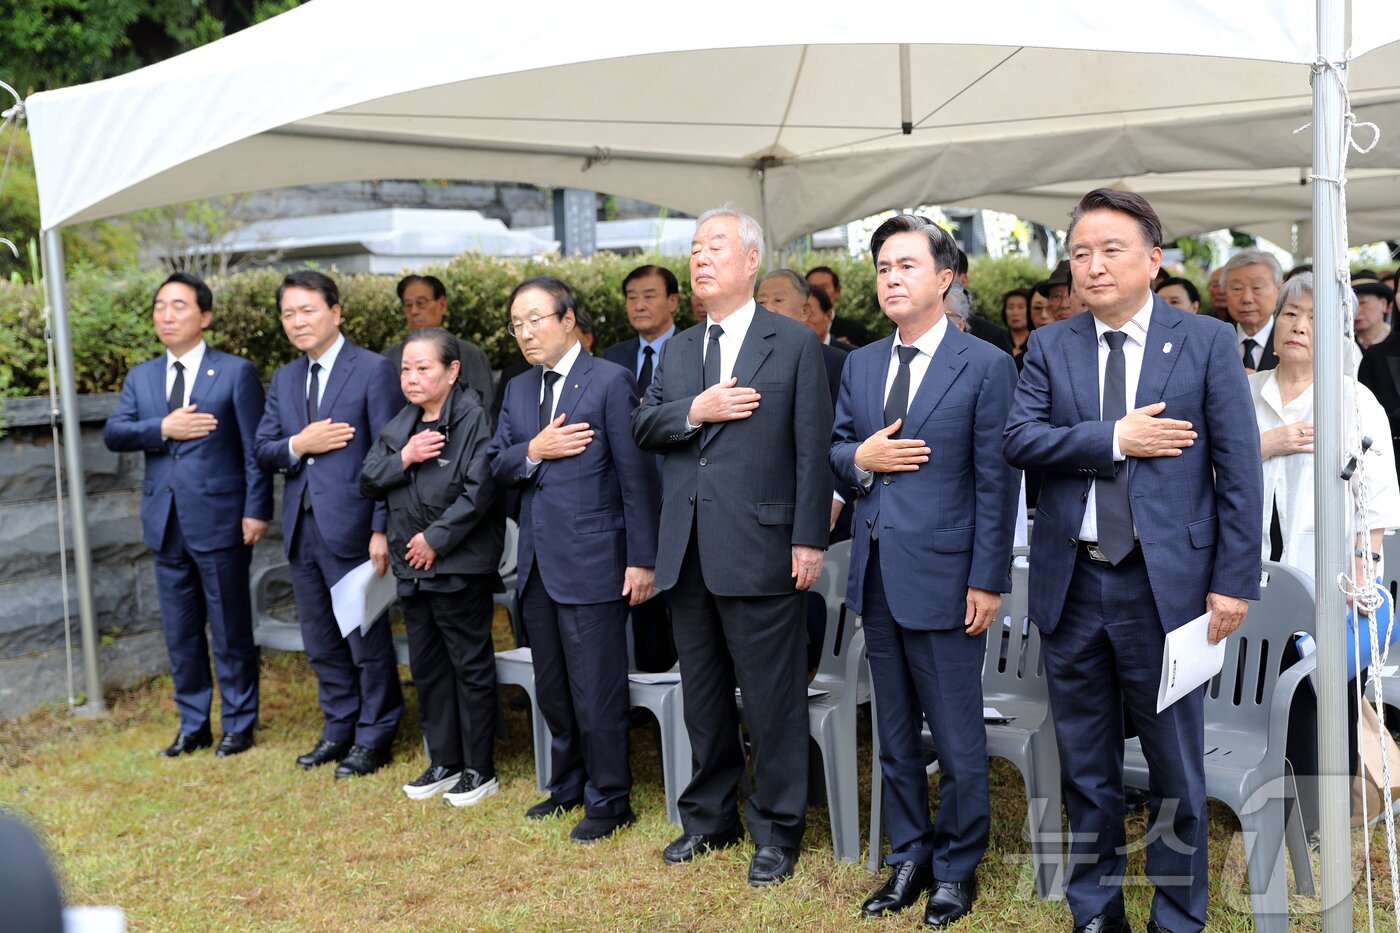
(451, 499)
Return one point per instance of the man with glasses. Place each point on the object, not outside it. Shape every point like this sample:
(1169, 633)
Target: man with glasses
(424, 299)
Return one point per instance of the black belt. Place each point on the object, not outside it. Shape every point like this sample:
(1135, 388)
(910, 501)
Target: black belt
(1090, 549)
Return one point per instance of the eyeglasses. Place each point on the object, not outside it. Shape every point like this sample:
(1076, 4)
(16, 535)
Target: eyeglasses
(516, 328)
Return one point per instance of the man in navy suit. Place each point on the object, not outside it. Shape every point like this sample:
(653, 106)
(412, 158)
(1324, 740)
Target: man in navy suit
(739, 408)
(323, 412)
(193, 411)
(588, 515)
(652, 295)
(1139, 417)
(918, 430)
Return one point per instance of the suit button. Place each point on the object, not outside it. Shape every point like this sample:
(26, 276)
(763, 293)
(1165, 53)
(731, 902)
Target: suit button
(703, 461)
(1083, 497)
(692, 500)
(169, 489)
(887, 480)
(177, 456)
(867, 523)
(1072, 542)
(310, 461)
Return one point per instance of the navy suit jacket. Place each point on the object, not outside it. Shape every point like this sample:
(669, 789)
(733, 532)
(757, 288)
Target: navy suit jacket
(1197, 515)
(584, 519)
(948, 525)
(751, 488)
(624, 354)
(363, 391)
(214, 481)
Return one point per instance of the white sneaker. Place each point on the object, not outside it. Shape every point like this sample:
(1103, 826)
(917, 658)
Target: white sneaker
(431, 783)
(472, 788)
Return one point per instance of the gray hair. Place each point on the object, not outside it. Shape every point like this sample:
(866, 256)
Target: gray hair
(1251, 257)
(750, 233)
(795, 280)
(958, 303)
(1301, 284)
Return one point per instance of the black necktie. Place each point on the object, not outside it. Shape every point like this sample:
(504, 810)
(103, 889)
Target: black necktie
(547, 400)
(897, 402)
(1248, 352)
(1275, 535)
(644, 377)
(712, 356)
(313, 407)
(177, 389)
(1114, 509)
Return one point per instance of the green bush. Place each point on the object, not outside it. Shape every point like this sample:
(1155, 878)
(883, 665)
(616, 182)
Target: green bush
(111, 327)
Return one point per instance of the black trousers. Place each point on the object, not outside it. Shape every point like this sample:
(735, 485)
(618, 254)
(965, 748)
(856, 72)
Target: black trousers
(580, 657)
(454, 668)
(760, 644)
(653, 644)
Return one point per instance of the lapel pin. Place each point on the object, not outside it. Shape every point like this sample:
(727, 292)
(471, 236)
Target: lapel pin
(1167, 347)
(575, 385)
(209, 372)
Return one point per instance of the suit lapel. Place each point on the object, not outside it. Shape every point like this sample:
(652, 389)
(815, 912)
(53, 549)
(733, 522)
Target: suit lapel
(1082, 353)
(154, 385)
(876, 378)
(341, 372)
(947, 362)
(204, 380)
(298, 372)
(752, 352)
(1159, 356)
(571, 389)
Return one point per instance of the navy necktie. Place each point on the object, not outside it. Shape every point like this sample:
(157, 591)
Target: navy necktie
(897, 403)
(313, 406)
(547, 400)
(1247, 353)
(1114, 507)
(177, 389)
(712, 369)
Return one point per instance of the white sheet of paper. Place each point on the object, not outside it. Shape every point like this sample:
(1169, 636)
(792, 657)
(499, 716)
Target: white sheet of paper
(991, 712)
(656, 677)
(360, 596)
(516, 654)
(1188, 660)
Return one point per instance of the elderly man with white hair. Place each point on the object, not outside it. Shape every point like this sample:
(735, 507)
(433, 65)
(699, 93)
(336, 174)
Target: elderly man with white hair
(1252, 278)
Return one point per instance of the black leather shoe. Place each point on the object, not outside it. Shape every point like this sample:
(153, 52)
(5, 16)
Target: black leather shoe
(906, 884)
(771, 865)
(592, 829)
(324, 753)
(1103, 923)
(187, 742)
(1135, 800)
(949, 902)
(360, 761)
(234, 743)
(686, 847)
(1154, 927)
(551, 806)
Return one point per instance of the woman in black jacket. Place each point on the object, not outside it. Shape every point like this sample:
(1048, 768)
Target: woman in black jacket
(445, 539)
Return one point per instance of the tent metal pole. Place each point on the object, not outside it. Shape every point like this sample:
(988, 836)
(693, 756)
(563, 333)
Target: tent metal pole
(73, 463)
(1332, 525)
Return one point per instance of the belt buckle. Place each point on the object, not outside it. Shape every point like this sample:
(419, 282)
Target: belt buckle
(1095, 554)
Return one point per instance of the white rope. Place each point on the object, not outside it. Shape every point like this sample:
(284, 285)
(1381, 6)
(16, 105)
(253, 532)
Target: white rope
(1365, 597)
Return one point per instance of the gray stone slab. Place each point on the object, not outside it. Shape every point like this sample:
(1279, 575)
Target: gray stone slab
(36, 679)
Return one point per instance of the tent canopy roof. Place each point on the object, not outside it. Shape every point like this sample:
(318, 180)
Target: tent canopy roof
(797, 119)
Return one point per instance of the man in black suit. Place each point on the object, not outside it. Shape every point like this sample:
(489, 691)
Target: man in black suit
(994, 334)
(842, 328)
(324, 410)
(424, 300)
(653, 295)
(1252, 279)
(1380, 364)
(740, 409)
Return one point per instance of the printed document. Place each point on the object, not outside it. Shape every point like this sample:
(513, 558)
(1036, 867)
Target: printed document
(1188, 660)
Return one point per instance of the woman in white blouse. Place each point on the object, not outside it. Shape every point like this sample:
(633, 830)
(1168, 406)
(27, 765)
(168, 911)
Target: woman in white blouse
(1283, 407)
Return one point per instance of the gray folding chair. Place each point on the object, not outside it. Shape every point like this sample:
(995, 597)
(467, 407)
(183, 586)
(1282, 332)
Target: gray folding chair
(667, 703)
(1246, 718)
(1013, 682)
(272, 587)
(507, 597)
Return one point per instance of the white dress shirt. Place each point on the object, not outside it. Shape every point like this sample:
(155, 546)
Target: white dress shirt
(192, 360)
(927, 345)
(1135, 329)
(1288, 480)
(656, 345)
(327, 361)
(1263, 339)
(736, 328)
(565, 364)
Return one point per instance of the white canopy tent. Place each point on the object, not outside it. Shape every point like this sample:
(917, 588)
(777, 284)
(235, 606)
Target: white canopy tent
(804, 118)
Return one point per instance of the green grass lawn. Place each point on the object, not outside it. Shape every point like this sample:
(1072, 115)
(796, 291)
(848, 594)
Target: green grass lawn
(253, 842)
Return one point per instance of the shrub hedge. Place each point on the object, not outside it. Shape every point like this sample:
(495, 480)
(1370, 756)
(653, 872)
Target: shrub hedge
(111, 330)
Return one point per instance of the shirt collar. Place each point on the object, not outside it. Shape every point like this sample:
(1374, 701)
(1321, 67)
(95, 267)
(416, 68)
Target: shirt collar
(566, 362)
(328, 358)
(1261, 338)
(737, 324)
(190, 360)
(1135, 327)
(655, 344)
(928, 342)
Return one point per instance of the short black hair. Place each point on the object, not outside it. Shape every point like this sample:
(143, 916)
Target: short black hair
(557, 289)
(432, 281)
(1022, 293)
(941, 244)
(203, 296)
(673, 287)
(823, 299)
(835, 279)
(1192, 292)
(443, 343)
(962, 262)
(1124, 202)
(311, 280)
(1042, 288)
